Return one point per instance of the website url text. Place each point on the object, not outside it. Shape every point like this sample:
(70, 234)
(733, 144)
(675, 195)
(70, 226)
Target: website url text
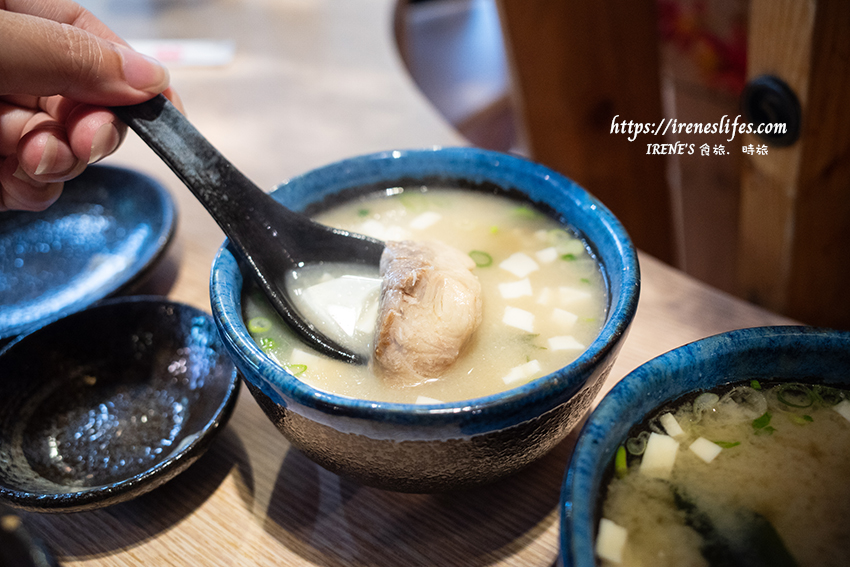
(672, 126)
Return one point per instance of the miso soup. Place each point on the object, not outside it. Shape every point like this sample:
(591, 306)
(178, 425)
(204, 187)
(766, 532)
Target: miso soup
(755, 474)
(544, 296)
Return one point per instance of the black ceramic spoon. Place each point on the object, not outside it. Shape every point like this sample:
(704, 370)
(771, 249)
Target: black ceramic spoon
(271, 239)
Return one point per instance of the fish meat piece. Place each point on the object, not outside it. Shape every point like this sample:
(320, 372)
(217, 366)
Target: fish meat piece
(430, 307)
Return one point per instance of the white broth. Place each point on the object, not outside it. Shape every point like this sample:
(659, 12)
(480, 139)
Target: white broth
(544, 298)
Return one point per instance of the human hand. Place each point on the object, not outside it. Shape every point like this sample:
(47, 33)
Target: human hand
(59, 68)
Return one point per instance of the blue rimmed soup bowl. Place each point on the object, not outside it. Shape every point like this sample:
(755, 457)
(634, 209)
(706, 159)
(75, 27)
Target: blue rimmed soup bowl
(445, 446)
(792, 354)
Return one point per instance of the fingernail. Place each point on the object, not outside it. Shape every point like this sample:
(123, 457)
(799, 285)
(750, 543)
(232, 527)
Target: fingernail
(48, 156)
(53, 162)
(142, 72)
(22, 175)
(105, 141)
(57, 161)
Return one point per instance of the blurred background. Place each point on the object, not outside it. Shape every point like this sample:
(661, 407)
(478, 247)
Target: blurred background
(455, 51)
(546, 78)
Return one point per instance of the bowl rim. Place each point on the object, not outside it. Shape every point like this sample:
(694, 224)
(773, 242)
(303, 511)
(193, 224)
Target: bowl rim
(577, 499)
(541, 391)
(175, 463)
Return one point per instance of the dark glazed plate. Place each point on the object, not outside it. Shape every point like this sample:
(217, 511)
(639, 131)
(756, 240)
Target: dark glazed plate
(106, 230)
(108, 403)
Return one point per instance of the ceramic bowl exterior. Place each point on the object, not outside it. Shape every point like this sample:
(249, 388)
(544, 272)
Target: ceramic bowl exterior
(108, 403)
(786, 354)
(426, 448)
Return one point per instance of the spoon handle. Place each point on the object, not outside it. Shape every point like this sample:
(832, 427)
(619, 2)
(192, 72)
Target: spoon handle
(223, 190)
(246, 213)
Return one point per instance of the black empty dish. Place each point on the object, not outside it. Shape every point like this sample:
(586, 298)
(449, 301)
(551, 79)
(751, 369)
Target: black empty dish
(108, 403)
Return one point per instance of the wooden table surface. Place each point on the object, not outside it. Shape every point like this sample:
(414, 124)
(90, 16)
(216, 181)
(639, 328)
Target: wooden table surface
(313, 81)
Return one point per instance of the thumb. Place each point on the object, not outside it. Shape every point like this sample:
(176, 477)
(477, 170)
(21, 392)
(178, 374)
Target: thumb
(43, 58)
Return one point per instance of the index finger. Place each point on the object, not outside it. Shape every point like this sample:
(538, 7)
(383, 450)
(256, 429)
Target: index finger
(62, 12)
(44, 58)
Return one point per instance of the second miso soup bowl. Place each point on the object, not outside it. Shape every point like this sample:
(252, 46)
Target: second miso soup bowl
(447, 446)
(794, 354)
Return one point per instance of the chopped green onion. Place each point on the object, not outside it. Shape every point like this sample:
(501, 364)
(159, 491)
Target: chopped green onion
(762, 422)
(267, 343)
(363, 213)
(296, 369)
(259, 325)
(727, 444)
(494, 229)
(755, 385)
(761, 427)
(568, 257)
(800, 419)
(525, 211)
(795, 395)
(621, 466)
(413, 200)
(585, 281)
(637, 445)
(558, 236)
(481, 259)
(827, 395)
(530, 338)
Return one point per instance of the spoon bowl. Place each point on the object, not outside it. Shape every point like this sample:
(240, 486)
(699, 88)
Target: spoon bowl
(271, 239)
